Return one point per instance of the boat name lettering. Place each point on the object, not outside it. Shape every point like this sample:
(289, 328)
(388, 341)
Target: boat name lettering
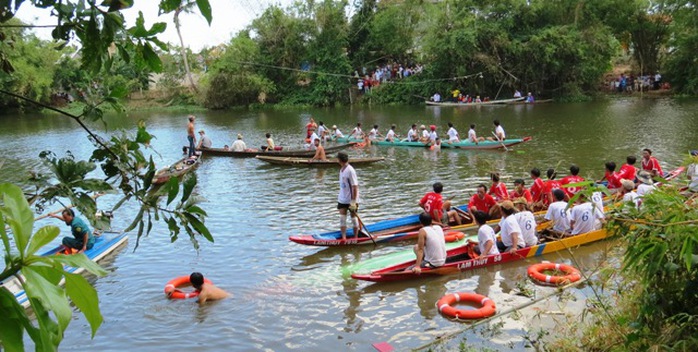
(497, 258)
(329, 243)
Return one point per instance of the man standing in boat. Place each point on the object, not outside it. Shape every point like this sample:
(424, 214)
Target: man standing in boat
(191, 137)
(83, 239)
(348, 198)
(431, 245)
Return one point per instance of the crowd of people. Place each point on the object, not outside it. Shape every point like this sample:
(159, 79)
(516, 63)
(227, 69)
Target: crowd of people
(635, 83)
(367, 79)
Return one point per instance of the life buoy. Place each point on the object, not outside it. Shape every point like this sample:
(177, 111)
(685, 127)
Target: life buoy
(445, 306)
(571, 273)
(453, 236)
(172, 291)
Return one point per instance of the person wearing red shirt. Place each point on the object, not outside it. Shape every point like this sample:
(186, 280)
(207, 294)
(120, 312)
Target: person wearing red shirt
(537, 190)
(520, 191)
(651, 164)
(310, 127)
(482, 201)
(612, 177)
(573, 177)
(550, 185)
(432, 203)
(628, 170)
(498, 189)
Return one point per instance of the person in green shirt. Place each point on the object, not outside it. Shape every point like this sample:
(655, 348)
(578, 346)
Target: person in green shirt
(83, 239)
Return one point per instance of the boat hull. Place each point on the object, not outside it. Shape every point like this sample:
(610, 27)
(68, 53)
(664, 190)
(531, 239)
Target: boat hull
(397, 271)
(314, 163)
(253, 153)
(103, 246)
(492, 102)
(166, 174)
(445, 145)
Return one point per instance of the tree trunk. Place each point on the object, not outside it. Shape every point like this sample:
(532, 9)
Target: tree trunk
(183, 51)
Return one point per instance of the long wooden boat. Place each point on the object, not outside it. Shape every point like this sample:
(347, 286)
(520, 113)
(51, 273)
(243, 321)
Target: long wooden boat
(181, 167)
(491, 102)
(104, 245)
(251, 153)
(535, 102)
(308, 162)
(459, 259)
(459, 145)
(393, 230)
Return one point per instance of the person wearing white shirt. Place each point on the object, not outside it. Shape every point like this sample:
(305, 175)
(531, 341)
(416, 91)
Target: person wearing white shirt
(412, 135)
(499, 131)
(512, 239)
(431, 245)
(337, 132)
(583, 218)
(238, 145)
(356, 132)
(348, 198)
(517, 94)
(322, 131)
(692, 172)
(374, 134)
(558, 213)
(472, 136)
(628, 193)
(425, 134)
(436, 97)
(432, 134)
(453, 136)
(486, 238)
(526, 221)
(313, 137)
(646, 183)
(390, 136)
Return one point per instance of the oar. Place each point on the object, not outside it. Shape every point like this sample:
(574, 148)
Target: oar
(500, 142)
(363, 227)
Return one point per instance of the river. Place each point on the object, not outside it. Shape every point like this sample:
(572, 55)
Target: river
(292, 297)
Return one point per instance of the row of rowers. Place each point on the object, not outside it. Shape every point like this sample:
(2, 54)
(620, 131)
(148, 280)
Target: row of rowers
(541, 193)
(319, 131)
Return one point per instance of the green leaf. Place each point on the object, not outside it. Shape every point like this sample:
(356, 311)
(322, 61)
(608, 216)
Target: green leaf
(17, 214)
(12, 323)
(84, 296)
(167, 6)
(188, 186)
(79, 260)
(172, 187)
(205, 8)
(199, 226)
(151, 58)
(49, 335)
(157, 28)
(196, 210)
(49, 294)
(41, 238)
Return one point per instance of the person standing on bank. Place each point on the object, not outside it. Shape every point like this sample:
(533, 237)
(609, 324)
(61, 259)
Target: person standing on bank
(191, 137)
(348, 198)
(83, 239)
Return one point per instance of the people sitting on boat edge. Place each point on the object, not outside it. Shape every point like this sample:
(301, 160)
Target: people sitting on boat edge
(270, 144)
(319, 152)
(572, 178)
(651, 164)
(412, 134)
(336, 132)
(559, 214)
(498, 190)
(391, 136)
(430, 249)
(453, 136)
(83, 239)
(424, 138)
(486, 238)
(432, 202)
(356, 132)
(526, 221)
(584, 216)
(239, 145)
(510, 231)
(204, 141)
(520, 191)
(472, 136)
(483, 202)
(207, 292)
(498, 134)
(517, 94)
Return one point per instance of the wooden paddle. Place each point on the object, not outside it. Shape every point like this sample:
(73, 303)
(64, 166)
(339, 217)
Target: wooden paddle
(363, 227)
(500, 141)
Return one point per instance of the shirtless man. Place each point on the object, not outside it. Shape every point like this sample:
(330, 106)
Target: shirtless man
(319, 151)
(207, 292)
(191, 137)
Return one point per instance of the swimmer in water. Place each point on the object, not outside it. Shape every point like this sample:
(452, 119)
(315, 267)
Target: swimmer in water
(207, 292)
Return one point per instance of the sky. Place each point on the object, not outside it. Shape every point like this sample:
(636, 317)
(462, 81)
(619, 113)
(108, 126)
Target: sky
(229, 17)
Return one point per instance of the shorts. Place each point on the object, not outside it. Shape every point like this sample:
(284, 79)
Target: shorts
(75, 243)
(346, 206)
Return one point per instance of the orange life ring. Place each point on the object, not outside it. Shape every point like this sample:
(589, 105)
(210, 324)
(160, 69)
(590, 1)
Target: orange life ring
(453, 236)
(172, 291)
(445, 306)
(571, 273)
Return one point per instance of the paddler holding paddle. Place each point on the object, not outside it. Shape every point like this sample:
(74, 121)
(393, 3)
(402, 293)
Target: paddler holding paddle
(431, 246)
(82, 239)
(348, 198)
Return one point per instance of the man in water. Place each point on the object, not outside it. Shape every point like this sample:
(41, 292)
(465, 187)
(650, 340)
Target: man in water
(207, 292)
(204, 141)
(83, 239)
(431, 245)
(348, 198)
(319, 151)
(239, 145)
(191, 137)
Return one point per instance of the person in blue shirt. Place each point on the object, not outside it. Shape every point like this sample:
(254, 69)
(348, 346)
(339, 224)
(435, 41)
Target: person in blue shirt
(82, 239)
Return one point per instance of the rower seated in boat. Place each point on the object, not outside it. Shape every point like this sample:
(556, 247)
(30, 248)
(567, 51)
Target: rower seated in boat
(498, 190)
(486, 238)
(432, 202)
(520, 191)
(207, 292)
(483, 202)
(472, 136)
(453, 136)
(319, 152)
(336, 133)
(450, 215)
(390, 136)
(510, 231)
(584, 216)
(412, 134)
(204, 141)
(526, 221)
(82, 239)
(424, 134)
(239, 145)
(431, 246)
(559, 215)
(270, 144)
(499, 134)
